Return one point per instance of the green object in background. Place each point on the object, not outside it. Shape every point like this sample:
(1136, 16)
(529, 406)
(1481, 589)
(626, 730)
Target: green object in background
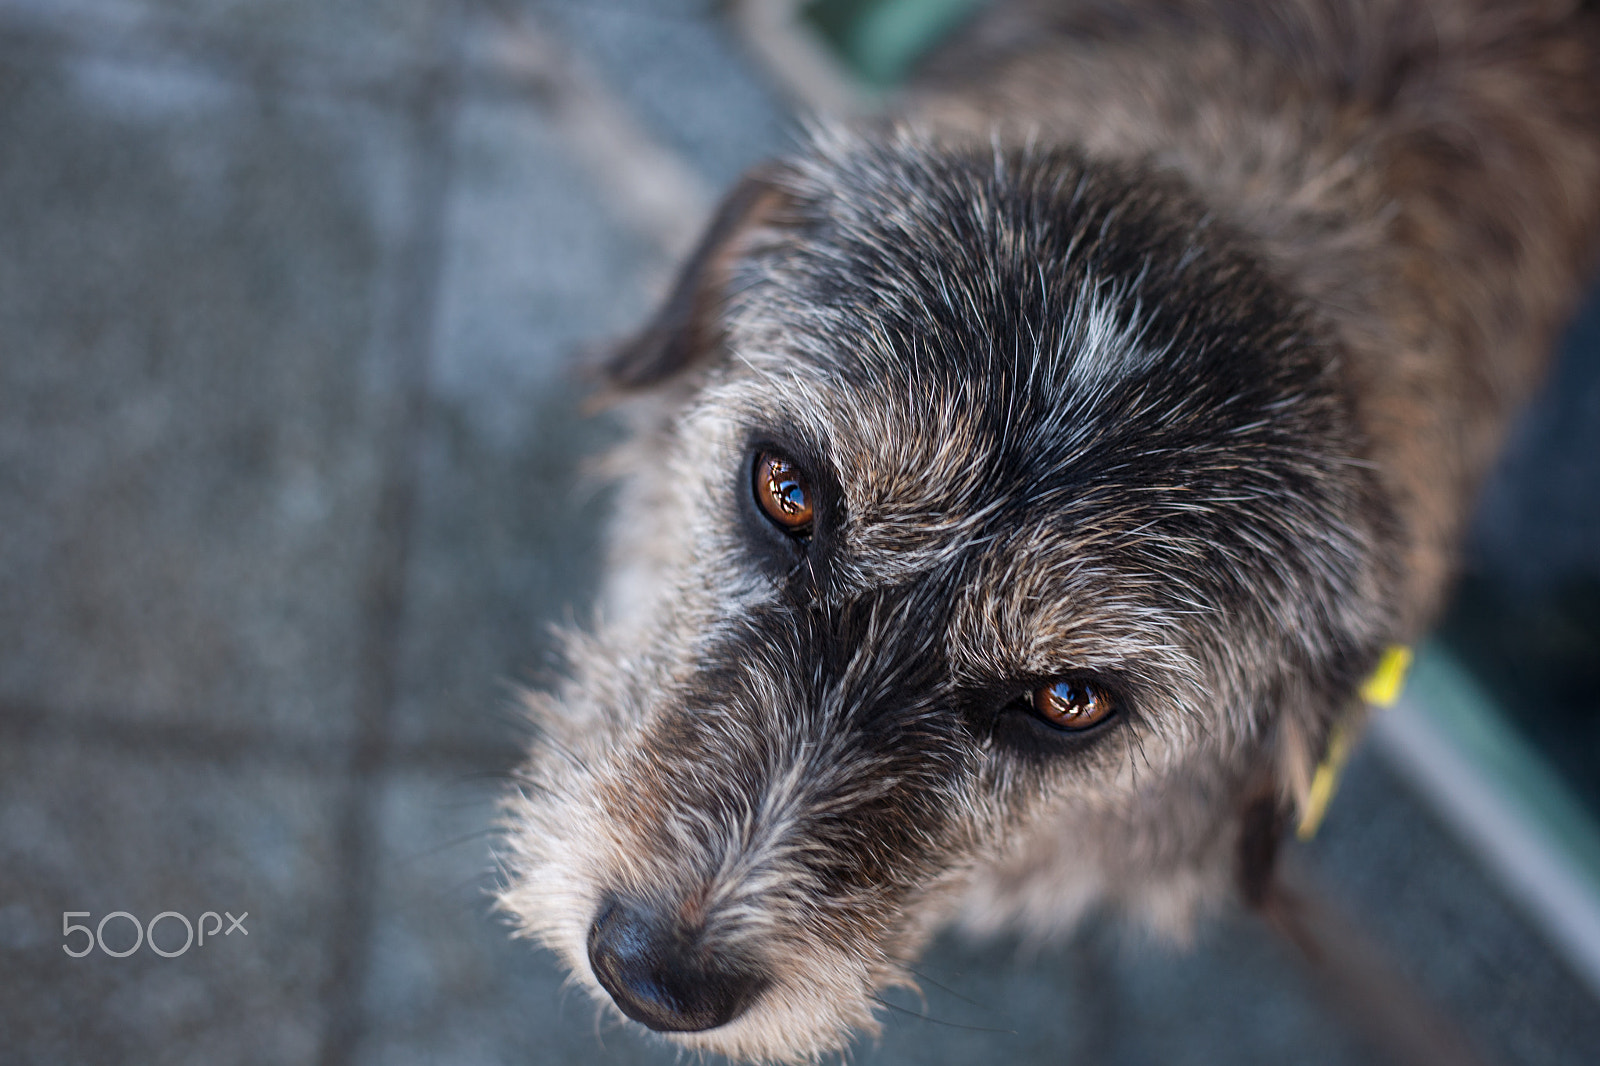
(880, 40)
(1503, 800)
(1445, 690)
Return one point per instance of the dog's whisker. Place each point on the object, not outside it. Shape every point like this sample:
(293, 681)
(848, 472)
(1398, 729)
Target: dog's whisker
(548, 741)
(906, 964)
(880, 1001)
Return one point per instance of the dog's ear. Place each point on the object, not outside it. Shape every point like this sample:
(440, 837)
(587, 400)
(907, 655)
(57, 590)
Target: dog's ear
(684, 331)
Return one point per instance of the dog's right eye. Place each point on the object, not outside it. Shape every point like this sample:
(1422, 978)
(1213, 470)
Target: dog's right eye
(784, 493)
(1071, 706)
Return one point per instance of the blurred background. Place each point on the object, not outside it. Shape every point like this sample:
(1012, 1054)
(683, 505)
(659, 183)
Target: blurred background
(293, 479)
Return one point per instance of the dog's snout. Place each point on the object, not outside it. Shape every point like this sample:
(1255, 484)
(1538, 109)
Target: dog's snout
(662, 975)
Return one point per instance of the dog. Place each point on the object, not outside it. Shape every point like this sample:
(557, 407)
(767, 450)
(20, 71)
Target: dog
(1023, 484)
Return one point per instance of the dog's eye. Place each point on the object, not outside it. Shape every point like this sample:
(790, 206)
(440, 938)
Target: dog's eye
(1072, 705)
(783, 493)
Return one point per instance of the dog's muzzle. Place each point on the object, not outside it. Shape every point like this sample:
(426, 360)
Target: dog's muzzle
(661, 974)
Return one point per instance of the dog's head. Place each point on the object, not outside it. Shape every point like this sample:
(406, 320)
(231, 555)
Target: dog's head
(1005, 536)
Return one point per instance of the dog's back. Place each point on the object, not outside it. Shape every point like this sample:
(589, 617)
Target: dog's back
(1426, 173)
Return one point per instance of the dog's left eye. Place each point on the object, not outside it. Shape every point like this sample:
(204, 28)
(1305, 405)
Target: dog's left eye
(1071, 705)
(784, 493)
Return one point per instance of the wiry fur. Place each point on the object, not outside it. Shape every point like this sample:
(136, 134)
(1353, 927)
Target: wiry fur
(1162, 343)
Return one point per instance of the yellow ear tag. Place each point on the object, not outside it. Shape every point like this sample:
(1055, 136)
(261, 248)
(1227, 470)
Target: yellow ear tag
(1379, 690)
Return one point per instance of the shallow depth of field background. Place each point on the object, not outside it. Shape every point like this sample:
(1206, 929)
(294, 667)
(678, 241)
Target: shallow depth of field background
(292, 482)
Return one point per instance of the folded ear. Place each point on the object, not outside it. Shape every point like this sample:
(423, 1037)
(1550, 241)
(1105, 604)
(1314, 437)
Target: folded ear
(684, 331)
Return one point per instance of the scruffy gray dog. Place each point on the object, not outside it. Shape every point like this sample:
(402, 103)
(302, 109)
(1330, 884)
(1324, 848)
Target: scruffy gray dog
(1024, 484)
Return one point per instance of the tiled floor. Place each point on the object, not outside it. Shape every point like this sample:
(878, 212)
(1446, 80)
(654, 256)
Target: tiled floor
(292, 479)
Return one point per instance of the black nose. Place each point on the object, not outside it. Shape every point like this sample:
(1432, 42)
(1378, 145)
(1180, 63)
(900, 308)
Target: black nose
(660, 974)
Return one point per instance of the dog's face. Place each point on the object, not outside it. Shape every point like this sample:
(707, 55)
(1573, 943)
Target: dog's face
(1007, 533)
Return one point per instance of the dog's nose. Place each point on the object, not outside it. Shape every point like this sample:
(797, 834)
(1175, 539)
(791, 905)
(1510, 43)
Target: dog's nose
(660, 975)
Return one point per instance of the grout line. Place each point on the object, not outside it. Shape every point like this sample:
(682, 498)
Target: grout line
(372, 751)
(651, 189)
(649, 186)
(203, 742)
(262, 66)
